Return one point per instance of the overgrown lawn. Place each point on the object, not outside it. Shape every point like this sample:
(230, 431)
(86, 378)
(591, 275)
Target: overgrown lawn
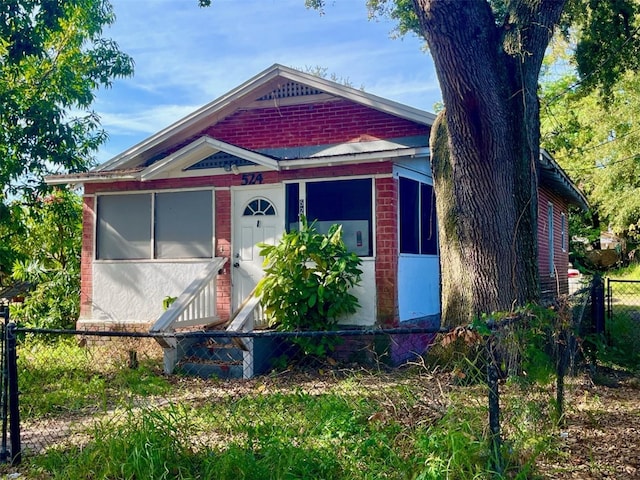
(101, 419)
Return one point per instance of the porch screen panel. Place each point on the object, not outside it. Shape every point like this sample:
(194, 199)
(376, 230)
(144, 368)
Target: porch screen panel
(292, 196)
(409, 216)
(124, 227)
(184, 224)
(344, 202)
(429, 225)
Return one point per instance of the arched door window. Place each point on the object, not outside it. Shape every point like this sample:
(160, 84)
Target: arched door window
(259, 206)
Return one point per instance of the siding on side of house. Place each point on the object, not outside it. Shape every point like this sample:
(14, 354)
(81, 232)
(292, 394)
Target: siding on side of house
(552, 284)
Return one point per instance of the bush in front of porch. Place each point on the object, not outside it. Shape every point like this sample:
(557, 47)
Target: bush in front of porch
(307, 282)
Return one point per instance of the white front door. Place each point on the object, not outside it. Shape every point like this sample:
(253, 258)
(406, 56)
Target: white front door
(258, 217)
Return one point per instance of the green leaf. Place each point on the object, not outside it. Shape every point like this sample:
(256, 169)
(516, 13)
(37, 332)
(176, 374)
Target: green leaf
(306, 287)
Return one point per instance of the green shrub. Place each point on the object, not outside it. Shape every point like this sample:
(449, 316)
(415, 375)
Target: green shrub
(307, 282)
(48, 257)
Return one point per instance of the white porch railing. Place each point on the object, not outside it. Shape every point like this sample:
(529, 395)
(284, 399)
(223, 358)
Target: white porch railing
(245, 320)
(196, 305)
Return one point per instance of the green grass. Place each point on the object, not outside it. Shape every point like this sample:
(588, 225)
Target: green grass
(358, 426)
(620, 346)
(272, 437)
(60, 378)
(632, 272)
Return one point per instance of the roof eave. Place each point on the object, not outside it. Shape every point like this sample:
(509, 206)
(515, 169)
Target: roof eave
(332, 160)
(359, 96)
(80, 179)
(571, 192)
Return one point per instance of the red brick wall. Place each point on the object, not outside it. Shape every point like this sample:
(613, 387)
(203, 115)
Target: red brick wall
(386, 226)
(550, 285)
(220, 181)
(223, 249)
(387, 250)
(313, 124)
(86, 257)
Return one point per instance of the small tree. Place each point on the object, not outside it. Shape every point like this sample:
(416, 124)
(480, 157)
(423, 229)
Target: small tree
(306, 285)
(48, 257)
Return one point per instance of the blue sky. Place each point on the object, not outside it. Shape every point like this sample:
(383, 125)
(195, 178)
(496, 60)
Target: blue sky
(187, 56)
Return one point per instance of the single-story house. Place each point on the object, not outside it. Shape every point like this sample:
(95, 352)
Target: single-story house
(182, 211)
(556, 193)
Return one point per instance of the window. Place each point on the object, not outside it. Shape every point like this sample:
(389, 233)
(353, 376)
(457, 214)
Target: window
(550, 239)
(563, 232)
(429, 221)
(124, 227)
(345, 202)
(259, 206)
(409, 216)
(182, 226)
(418, 222)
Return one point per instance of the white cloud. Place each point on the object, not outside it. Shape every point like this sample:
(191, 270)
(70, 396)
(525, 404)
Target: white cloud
(186, 56)
(147, 121)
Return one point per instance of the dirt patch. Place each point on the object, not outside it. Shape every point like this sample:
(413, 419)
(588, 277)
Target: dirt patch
(601, 437)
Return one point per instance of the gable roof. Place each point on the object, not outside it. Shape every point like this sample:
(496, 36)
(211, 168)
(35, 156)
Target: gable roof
(277, 85)
(200, 149)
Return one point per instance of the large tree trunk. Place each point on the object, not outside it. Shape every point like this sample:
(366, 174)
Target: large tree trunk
(484, 148)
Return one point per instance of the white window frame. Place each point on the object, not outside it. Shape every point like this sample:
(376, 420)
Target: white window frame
(420, 180)
(550, 239)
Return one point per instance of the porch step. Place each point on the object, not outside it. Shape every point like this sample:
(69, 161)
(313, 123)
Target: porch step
(214, 357)
(206, 370)
(219, 350)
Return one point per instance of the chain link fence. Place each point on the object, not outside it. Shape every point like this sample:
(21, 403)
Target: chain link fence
(367, 409)
(623, 299)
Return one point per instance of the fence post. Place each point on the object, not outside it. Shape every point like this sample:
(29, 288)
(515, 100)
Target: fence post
(494, 408)
(597, 304)
(4, 451)
(564, 338)
(12, 386)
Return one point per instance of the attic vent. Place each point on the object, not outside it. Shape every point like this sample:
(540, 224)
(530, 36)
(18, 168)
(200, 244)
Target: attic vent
(289, 90)
(220, 160)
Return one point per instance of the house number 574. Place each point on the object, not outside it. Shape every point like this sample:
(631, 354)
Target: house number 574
(251, 179)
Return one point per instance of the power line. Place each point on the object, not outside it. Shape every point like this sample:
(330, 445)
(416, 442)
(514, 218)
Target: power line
(613, 162)
(593, 72)
(601, 144)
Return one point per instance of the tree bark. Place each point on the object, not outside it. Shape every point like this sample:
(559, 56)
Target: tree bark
(484, 149)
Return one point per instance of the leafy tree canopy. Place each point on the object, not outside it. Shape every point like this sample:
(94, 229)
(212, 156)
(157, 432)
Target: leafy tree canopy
(595, 136)
(52, 59)
(606, 32)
